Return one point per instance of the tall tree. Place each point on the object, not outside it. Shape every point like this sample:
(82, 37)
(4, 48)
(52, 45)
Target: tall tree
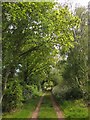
(31, 34)
(77, 68)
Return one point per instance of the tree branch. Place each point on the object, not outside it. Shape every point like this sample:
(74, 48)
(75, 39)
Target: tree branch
(29, 51)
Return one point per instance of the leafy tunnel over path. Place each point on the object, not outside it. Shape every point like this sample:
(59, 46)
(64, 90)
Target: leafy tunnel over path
(44, 48)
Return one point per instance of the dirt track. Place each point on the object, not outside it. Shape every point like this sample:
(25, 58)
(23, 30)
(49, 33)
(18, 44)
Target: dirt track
(57, 109)
(35, 113)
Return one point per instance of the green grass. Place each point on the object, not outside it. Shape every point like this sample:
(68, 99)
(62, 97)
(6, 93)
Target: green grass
(74, 109)
(25, 111)
(46, 109)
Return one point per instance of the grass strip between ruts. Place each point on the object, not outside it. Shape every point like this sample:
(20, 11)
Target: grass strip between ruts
(46, 109)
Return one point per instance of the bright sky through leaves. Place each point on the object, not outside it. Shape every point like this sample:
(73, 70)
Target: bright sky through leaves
(73, 2)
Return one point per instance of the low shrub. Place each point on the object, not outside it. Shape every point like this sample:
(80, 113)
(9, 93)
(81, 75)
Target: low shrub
(67, 93)
(13, 95)
(73, 93)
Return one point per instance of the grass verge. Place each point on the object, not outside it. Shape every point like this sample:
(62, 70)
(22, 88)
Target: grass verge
(25, 111)
(74, 109)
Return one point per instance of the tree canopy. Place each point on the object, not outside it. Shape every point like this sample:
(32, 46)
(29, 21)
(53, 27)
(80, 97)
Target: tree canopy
(34, 36)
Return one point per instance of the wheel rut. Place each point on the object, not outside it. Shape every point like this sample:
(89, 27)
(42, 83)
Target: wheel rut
(59, 113)
(57, 109)
(35, 113)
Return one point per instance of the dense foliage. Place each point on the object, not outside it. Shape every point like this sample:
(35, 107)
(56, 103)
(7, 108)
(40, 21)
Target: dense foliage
(75, 66)
(37, 38)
